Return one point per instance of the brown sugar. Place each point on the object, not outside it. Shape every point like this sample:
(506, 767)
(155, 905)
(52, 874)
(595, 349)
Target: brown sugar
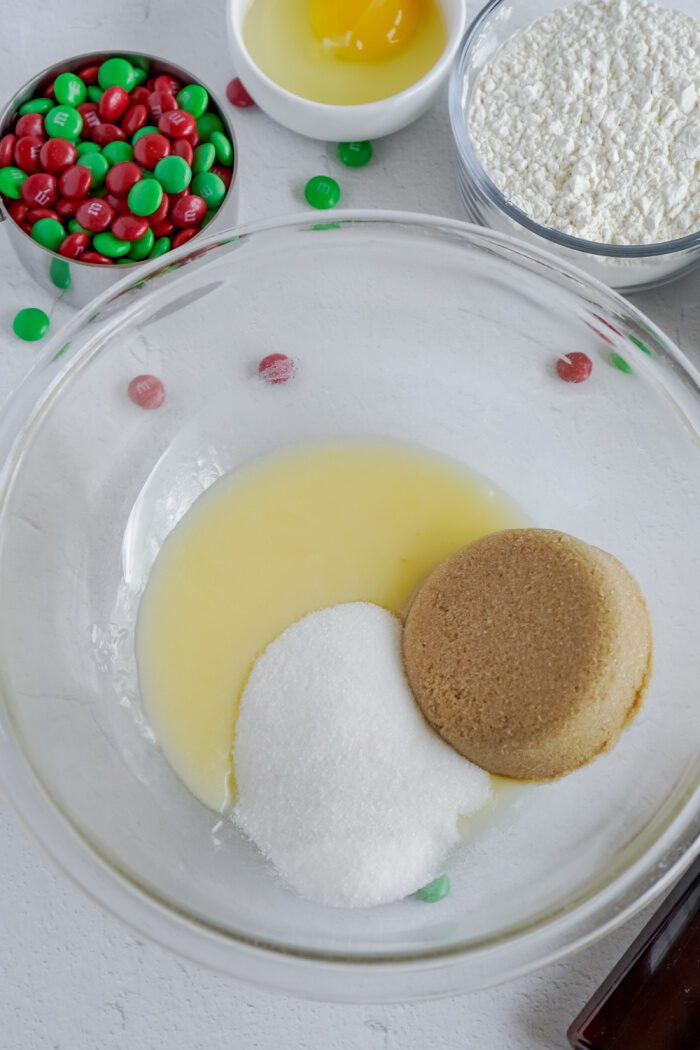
(529, 651)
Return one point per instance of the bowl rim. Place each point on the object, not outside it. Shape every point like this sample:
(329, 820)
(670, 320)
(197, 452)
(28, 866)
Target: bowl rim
(235, 12)
(477, 174)
(10, 108)
(598, 909)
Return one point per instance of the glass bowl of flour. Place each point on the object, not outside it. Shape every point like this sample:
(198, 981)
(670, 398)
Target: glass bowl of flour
(430, 333)
(578, 126)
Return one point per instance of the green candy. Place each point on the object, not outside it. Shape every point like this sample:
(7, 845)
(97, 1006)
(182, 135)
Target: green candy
(116, 72)
(210, 187)
(173, 173)
(63, 122)
(69, 89)
(30, 324)
(117, 152)
(222, 147)
(59, 272)
(147, 129)
(204, 157)
(145, 197)
(49, 233)
(208, 123)
(75, 227)
(142, 247)
(109, 245)
(140, 76)
(435, 891)
(322, 192)
(355, 154)
(95, 93)
(11, 179)
(140, 62)
(620, 363)
(98, 166)
(194, 99)
(37, 105)
(87, 147)
(161, 246)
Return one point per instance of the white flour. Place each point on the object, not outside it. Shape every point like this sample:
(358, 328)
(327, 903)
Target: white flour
(589, 121)
(341, 782)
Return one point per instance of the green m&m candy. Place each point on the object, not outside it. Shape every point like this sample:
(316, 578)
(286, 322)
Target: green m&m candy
(322, 192)
(11, 179)
(161, 246)
(87, 147)
(145, 197)
(116, 71)
(98, 166)
(49, 233)
(204, 157)
(141, 248)
(194, 99)
(147, 129)
(222, 147)
(208, 123)
(60, 275)
(63, 122)
(75, 227)
(173, 173)
(109, 245)
(37, 105)
(95, 93)
(69, 89)
(354, 154)
(30, 324)
(140, 76)
(435, 891)
(117, 152)
(210, 187)
(140, 62)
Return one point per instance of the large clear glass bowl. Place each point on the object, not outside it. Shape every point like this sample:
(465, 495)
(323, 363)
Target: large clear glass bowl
(628, 268)
(417, 329)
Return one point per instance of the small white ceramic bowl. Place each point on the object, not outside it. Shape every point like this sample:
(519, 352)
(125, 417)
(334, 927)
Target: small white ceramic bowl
(319, 120)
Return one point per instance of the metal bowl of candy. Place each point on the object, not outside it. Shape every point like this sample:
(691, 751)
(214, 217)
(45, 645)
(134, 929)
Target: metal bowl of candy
(263, 340)
(108, 160)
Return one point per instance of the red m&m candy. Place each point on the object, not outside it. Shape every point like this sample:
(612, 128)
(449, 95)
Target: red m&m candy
(95, 257)
(113, 104)
(188, 211)
(165, 82)
(150, 149)
(40, 189)
(88, 74)
(7, 150)
(177, 124)
(237, 94)
(160, 102)
(276, 368)
(105, 133)
(162, 228)
(130, 227)
(122, 177)
(56, 155)
(183, 236)
(574, 367)
(75, 181)
(146, 391)
(94, 215)
(27, 150)
(183, 148)
(91, 118)
(134, 118)
(66, 207)
(74, 245)
(30, 124)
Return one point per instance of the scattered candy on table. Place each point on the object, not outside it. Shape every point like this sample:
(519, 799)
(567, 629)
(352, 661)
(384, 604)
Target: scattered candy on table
(146, 391)
(98, 171)
(322, 192)
(574, 367)
(276, 368)
(435, 891)
(355, 154)
(237, 94)
(30, 324)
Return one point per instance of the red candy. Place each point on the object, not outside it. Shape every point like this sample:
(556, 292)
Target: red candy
(161, 211)
(91, 118)
(30, 124)
(96, 257)
(146, 391)
(105, 133)
(133, 119)
(150, 149)
(66, 207)
(113, 104)
(166, 83)
(183, 236)
(183, 148)
(88, 74)
(7, 150)
(574, 368)
(123, 176)
(94, 215)
(139, 96)
(47, 92)
(223, 173)
(39, 189)
(34, 214)
(276, 368)
(130, 227)
(237, 94)
(188, 211)
(120, 204)
(162, 228)
(75, 181)
(74, 245)
(57, 154)
(160, 102)
(18, 210)
(27, 150)
(177, 124)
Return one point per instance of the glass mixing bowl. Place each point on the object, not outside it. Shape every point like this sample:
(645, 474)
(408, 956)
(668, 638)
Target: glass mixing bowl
(628, 268)
(404, 327)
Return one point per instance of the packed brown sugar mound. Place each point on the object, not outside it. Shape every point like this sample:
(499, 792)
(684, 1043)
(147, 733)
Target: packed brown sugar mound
(529, 651)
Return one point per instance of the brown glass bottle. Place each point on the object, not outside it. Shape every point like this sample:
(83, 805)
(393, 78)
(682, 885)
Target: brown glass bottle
(651, 999)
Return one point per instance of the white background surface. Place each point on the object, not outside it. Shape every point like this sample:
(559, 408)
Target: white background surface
(72, 978)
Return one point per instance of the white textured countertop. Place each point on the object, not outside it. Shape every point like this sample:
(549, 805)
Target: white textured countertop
(73, 978)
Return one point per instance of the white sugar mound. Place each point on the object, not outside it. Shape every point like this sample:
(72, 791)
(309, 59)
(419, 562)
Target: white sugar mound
(342, 784)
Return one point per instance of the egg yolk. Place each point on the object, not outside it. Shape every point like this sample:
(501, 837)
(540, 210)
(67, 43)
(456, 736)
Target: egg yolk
(362, 30)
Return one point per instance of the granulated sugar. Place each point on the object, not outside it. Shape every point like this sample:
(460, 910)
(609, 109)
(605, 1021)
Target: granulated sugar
(342, 784)
(589, 121)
